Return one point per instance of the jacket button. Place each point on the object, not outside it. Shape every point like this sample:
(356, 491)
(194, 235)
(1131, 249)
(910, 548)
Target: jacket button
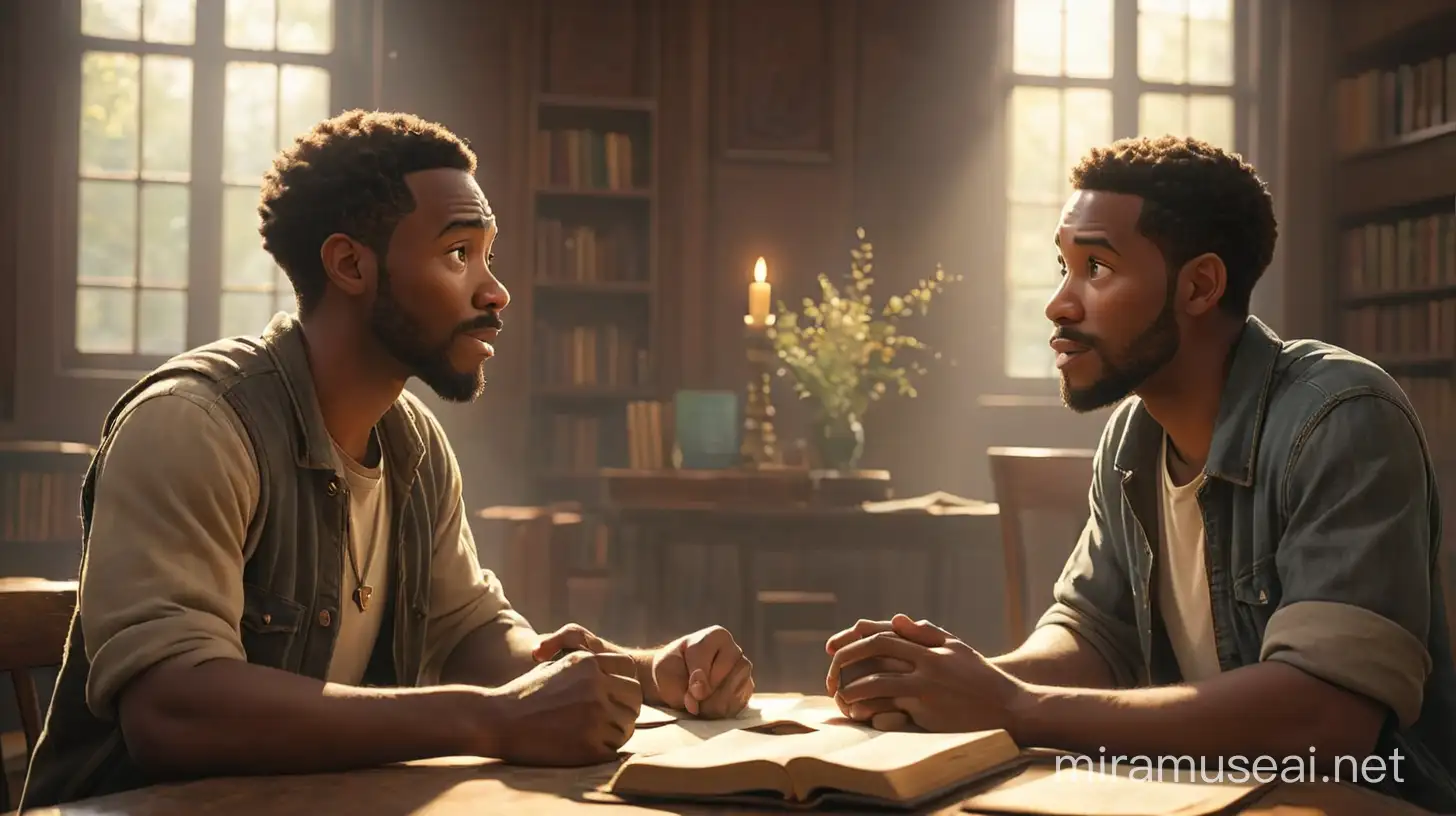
(267, 618)
(325, 618)
(333, 487)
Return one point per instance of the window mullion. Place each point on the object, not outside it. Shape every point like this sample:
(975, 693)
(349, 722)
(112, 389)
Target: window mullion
(205, 279)
(1124, 68)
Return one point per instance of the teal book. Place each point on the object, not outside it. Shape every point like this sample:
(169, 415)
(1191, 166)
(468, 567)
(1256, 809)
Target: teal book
(708, 429)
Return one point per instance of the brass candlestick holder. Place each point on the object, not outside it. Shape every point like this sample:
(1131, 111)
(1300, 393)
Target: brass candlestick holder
(760, 445)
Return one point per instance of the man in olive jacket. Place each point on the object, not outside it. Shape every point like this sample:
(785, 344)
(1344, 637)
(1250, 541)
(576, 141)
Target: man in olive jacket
(278, 574)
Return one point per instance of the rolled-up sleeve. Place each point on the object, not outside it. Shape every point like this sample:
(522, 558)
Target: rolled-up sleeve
(1093, 596)
(1356, 559)
(463, 596)
(162, 576)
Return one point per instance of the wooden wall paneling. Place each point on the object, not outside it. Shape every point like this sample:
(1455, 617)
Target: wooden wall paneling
(683, 187)
(782, 176)
(596, 48)
(9, 206)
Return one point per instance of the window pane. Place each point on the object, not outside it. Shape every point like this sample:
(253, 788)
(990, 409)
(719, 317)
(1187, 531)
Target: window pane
(1211, 118)
(106, 244)
(245, 264)
(306, 26)
(1031, 258)
(169, 21)
(167, 116)
(1035, 134)
(109, 113)
(1088, 114)
(1162, 113)
(304, 101)
(104, 320)
(1162, 47)
(245, 313)
(1210, 52)
(250, 121)
(1036, 31)
(1089, 38)
(285, 300)
(1027, 332)
(250, 24)
(1211, 10)
(114, 19)
(164, 235)
(163, 325)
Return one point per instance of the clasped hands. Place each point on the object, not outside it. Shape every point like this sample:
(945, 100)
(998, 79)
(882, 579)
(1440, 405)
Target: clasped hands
(921, 671)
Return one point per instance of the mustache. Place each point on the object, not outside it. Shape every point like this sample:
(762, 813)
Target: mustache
(1067, 333)
(489, 320)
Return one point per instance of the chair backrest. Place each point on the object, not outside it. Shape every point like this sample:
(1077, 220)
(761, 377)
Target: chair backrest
(1042, 496)
(35, 617)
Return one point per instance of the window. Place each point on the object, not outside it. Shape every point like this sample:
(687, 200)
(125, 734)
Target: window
(182, 107)
(1086, 72)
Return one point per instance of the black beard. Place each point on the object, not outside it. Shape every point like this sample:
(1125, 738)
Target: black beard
(1148, 352)
(400, 335)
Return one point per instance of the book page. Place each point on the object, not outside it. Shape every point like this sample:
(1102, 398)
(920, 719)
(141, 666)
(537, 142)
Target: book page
(1080, 792)
(901, 749)
(743, 746)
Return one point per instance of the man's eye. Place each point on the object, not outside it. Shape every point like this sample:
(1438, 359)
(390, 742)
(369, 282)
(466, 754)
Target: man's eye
(460, 253)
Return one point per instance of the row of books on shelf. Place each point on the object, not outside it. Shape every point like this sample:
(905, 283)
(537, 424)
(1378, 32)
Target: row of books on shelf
(585, 159)
(1381, 105)
(1409, 253)
(582, 442)
(591, 355)
(39, 506)
(586, 253)
(1399, 332)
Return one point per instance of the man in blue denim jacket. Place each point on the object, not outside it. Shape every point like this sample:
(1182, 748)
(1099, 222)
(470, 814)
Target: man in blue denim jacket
(1257, 584)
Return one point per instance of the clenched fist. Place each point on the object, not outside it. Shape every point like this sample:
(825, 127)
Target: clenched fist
(574, 711)
(704, 673)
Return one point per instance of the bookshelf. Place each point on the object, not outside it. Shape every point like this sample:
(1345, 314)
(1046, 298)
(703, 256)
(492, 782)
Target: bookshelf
(1394, 143)
(595, 371)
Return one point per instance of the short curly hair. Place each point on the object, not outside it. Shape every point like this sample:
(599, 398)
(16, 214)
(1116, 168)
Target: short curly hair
(1197, 198)
(346, 175)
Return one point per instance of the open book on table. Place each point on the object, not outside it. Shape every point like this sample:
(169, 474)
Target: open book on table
(799, 766)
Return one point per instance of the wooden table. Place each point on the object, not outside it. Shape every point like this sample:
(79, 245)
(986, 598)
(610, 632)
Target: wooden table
(460, 786)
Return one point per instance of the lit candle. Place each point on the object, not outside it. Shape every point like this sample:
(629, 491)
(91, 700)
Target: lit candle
(758, 294)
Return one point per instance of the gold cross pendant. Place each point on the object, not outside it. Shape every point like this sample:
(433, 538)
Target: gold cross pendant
(361, 596)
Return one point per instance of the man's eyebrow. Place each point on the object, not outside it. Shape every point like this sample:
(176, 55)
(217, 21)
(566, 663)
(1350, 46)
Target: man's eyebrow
(1093, 240)
(475, 222)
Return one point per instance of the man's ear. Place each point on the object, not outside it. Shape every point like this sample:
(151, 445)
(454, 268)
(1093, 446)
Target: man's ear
(348, 264)
(1203, 282)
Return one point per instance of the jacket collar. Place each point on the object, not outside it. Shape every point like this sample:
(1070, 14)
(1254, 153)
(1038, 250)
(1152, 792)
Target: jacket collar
(1241, 412)
(400, 439)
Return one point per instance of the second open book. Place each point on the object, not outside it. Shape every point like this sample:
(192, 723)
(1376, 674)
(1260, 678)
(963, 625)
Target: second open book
(806, 756)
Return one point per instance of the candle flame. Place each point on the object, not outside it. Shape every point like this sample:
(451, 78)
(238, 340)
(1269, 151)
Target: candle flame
(760, 270)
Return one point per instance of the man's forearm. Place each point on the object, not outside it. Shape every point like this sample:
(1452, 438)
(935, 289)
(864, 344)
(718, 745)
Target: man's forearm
(232, 717)
(1267, 709)
(492, 655)
(1054, 656)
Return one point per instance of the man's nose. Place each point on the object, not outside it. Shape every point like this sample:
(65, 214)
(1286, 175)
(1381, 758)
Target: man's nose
(1064, 306)
(492, 294)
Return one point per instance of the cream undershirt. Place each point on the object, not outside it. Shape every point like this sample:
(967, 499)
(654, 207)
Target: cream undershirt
(369, 538)
(1183, 597)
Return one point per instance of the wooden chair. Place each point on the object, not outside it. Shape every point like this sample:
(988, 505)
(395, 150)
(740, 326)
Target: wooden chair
(789, 631)
(35, 616)
(1045, 482)
(554, 572)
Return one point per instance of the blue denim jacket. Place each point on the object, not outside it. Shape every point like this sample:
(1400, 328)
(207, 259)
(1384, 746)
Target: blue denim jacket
(1323, 531)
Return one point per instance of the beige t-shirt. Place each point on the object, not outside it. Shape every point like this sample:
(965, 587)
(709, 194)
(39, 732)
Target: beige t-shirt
(1183, 597)
(176, 490)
